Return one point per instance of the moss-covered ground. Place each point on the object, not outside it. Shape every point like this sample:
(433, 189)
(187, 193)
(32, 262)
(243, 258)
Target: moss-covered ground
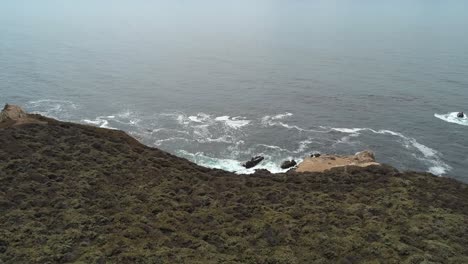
(77, 194)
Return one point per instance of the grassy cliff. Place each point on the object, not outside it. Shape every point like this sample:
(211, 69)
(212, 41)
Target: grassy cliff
(71, 193)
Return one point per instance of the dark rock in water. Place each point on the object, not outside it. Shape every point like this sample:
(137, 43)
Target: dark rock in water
(461, 115)
(315, 155)
(288, 164)
(253, 162)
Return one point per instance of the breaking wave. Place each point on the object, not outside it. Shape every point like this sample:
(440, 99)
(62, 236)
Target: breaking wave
(452, 118)
(232, 165)
(125, 118)
(430, 156)
(206, 119)
(59, 109)
(225, 142)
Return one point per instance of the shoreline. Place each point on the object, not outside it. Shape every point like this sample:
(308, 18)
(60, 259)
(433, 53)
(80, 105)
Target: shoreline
(15, 116)
(178, 132)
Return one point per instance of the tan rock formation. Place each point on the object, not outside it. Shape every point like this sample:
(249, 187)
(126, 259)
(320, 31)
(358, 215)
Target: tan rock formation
(12, 112)
(13, 115)
(326, 162)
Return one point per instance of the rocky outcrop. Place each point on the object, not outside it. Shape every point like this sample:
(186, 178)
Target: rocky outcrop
(12, 112)
(461, 115)
(320, 163)
(13, 115)
(288, 164)
(253, 162)
(365, 156)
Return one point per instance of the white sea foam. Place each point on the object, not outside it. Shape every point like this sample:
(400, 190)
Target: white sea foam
(182, 119)
(452, 118)
(281, 116)
(199, 118)
(346, 140)
(56, 104)
(271, 121)
(208, 129)
(439, 170)
(267, 119)
(160, 141)
(273, 147)
(231, 165)
(303, 145)
(125, 114)
(157, 130)
(211, 129)
(207, 120)
(234, 122)
(100, 121)
(426, 151)
(205, 130)
(92, 122)
(430, 156)
(223, 139)
(126, 118)
(348, 130)
(290, 126)
(301, 150)
(59, 109)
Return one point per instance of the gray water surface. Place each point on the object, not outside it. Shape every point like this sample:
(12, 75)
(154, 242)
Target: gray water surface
(220, 81)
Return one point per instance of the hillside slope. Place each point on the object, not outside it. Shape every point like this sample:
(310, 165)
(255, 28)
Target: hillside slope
(71, 193)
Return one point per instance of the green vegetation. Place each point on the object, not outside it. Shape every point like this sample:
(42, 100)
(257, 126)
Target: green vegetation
(77, 194)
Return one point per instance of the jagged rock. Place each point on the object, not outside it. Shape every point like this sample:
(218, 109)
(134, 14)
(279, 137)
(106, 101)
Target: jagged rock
(13, 115)
(12, 112)
(253, 162)
(288, 164)
(461, 115)
(365, 156)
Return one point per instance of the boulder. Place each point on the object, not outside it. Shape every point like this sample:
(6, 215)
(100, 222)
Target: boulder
(365, 156)
(288, 164)
(13, 115)
(12, 112)
(461, 115)
(253, 162)
(315, 155)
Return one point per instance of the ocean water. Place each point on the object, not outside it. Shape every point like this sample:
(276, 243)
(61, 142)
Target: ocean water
(218, 82)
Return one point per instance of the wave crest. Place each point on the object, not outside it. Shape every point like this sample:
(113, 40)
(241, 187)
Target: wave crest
(452, 118)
